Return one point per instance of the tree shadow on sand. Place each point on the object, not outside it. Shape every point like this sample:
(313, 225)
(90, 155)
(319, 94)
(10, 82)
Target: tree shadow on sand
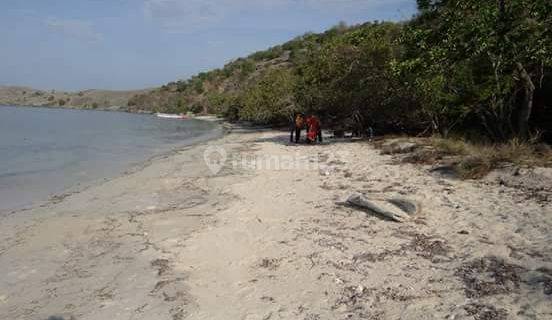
(283, 139)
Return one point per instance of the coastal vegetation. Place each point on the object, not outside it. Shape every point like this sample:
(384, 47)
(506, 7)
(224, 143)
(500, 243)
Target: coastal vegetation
(461, 71)
(479, 70)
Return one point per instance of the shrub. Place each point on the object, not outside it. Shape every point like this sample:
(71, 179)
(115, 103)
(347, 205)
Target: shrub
(196, 108)
(181, 86)
(270, 100)
(477, 160)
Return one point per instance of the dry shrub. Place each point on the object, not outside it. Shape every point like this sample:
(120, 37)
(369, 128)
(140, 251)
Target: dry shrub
(479, 159)
(450, 146)
(474, 167)
(472, 160)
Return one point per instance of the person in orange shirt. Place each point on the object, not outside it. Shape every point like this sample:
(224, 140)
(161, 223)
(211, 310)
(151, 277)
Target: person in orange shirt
(297, 126)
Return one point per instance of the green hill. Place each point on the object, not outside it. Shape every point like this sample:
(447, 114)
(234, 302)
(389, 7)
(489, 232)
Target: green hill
(477, 69)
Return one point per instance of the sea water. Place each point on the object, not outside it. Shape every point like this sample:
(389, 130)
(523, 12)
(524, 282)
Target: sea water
(46, 151)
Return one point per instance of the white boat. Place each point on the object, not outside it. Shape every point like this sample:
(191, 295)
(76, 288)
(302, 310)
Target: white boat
(171, 116)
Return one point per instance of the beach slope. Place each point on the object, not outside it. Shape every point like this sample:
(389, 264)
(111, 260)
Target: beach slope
(267, 237)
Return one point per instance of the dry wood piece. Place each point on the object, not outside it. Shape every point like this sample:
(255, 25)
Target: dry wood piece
(395, 209)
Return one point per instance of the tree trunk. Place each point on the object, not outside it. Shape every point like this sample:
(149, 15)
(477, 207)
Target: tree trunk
(527, 106)
(501, 8)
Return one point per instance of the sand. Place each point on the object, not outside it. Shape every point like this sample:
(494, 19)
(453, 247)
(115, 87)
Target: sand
(172, 240)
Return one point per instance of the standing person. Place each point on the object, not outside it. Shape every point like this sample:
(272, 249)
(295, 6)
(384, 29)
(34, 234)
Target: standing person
(371, 133)
(297, 126)
(314, 131)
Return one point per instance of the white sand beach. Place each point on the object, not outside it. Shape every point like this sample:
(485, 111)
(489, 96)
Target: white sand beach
(175, 241)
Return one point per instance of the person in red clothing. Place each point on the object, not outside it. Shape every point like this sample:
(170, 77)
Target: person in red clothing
(314, 130)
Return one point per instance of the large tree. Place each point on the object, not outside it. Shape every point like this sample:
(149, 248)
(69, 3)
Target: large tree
(349, 80)
(481, 57)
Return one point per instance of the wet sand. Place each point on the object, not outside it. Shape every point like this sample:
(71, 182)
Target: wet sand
(174, 241)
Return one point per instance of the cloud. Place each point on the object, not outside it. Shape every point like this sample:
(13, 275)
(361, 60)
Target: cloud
(78, 29)
(178, 15)
(193, 15)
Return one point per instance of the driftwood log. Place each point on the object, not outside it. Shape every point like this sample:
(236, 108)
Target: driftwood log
(398, 210)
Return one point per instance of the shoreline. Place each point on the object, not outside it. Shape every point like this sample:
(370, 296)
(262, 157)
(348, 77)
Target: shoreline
(153, 193)
(82, 187)
(174, 241)
(218, 132)
(107, 109)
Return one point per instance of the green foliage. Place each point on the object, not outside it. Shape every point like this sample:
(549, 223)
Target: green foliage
(195, 108)
(181, 86)
(180, 107)
(463, 66)
(226, 105)
(269, 54)
(270, 100)
(247, 68)
(198, 87)
(202, 76)
(467, 57)
(349, 80)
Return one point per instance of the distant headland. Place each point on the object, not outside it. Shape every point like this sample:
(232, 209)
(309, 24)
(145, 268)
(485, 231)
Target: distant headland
(85, 99)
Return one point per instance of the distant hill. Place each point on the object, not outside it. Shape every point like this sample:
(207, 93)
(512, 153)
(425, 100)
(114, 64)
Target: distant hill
(220, 90)
(215, 91)
(86, 99)
(199, 93)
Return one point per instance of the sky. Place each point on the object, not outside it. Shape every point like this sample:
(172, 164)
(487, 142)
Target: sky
(133, 44)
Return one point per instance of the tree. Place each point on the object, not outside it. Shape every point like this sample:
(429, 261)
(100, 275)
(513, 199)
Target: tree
(503, 48)
(349, 80)
(270, 100)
